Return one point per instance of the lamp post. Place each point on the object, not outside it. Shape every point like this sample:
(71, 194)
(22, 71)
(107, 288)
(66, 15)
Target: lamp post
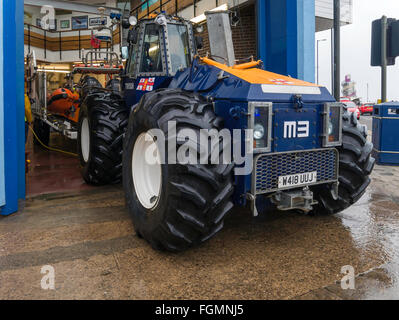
(337, 49)
(318, 41)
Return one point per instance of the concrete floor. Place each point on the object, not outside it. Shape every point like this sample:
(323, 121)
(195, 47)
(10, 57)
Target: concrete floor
(88, 238)
(51, 172)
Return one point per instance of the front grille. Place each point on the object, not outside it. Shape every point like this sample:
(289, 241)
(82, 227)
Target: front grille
(269, 167)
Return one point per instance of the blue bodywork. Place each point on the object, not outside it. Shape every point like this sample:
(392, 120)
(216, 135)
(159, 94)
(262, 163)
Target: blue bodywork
(231, 95)
(12, 172)
(385, 126)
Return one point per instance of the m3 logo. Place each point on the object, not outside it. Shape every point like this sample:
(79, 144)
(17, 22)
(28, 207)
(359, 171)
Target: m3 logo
(296, 129)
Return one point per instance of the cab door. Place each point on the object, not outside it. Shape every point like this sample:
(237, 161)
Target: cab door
(147, 69)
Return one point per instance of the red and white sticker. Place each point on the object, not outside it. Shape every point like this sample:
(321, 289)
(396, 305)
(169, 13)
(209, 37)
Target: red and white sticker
(146, 84)
(281, 81)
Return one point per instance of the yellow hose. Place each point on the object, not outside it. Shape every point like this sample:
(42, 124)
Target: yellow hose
(52, 149)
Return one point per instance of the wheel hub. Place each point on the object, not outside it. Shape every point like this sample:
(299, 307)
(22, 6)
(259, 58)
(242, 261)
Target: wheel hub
(85, 140)
(147, 170)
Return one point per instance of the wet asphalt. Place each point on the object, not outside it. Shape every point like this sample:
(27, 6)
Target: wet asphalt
(88, 238)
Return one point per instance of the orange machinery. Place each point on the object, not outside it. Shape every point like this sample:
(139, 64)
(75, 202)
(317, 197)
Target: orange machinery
(63, 102)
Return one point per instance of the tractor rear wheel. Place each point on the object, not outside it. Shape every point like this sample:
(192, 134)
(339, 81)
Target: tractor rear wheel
(42, 130)
(355, 167)
(102, 123)
(173, 206)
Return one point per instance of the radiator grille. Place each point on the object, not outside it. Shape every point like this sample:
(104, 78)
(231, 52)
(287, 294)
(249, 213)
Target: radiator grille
(269, 167)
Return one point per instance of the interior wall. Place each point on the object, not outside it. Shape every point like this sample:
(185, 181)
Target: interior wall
(244, 35)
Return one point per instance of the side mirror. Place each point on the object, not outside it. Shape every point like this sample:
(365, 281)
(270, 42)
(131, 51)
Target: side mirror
(132, 36)
(199, 42)
(125, 24)
(125, 52)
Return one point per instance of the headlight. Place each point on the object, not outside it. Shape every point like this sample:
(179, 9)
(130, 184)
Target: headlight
(330, 128)
(259, 131)
(260, 122)
(332, 125)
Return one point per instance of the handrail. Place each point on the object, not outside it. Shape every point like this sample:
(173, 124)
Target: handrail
(54, 40)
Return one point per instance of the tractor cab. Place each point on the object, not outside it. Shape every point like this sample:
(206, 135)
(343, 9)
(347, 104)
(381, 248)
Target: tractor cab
(158, 48)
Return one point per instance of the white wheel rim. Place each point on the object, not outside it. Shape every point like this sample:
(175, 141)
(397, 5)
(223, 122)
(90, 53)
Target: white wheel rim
(147, 170)
(85, 139)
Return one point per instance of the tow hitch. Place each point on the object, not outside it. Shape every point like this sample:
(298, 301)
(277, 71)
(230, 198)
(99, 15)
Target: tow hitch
(297, 199)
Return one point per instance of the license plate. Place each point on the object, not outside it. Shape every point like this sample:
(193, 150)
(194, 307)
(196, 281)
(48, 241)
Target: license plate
(295, 180)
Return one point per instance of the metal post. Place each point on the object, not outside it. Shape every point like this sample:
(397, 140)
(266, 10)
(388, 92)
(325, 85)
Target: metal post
(384, 28)
(45, 96)
(176, 7)
(60, 43)
(120, 39)
(337, 49)
(332, 60)
(45, 44)
(368, 93)
(80, 54)
(317, 61)
(318, 41)
(28, 38)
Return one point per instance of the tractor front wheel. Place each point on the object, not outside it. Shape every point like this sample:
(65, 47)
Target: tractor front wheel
(355, 167)
(173, 206)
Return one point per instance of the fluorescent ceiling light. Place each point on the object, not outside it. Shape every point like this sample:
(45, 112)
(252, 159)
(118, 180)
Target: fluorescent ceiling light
(153, 49)
(202, 17)
(54, 71)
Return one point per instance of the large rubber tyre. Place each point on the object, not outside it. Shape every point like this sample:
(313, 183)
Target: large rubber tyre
(42, 130)
(89, 84)
(106, 119)
(355, 167)
(114, 85)
(193, 199)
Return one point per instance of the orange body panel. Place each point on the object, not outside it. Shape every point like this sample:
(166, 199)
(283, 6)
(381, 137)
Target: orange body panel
(65, 103)
(248, 73)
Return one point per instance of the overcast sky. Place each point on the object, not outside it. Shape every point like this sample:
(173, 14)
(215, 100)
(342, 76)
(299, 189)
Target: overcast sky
(355, 51)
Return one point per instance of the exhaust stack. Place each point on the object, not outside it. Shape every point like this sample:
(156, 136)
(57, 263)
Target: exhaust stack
(220, 37)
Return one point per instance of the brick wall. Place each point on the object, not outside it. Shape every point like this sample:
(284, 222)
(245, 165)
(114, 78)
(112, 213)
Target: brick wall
(244, 35)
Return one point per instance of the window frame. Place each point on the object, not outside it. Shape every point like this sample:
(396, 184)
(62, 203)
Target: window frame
(140, 52)
(190, 43)
(131, 61)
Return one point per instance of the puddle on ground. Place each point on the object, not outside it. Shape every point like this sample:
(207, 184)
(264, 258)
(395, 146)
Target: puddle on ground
(374, 225)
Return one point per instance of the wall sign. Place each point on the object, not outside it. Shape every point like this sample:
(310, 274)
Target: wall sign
(79, 23)
(98, 21)
(65, 24)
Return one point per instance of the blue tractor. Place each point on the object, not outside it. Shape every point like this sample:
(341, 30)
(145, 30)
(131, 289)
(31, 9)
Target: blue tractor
(165, 133)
